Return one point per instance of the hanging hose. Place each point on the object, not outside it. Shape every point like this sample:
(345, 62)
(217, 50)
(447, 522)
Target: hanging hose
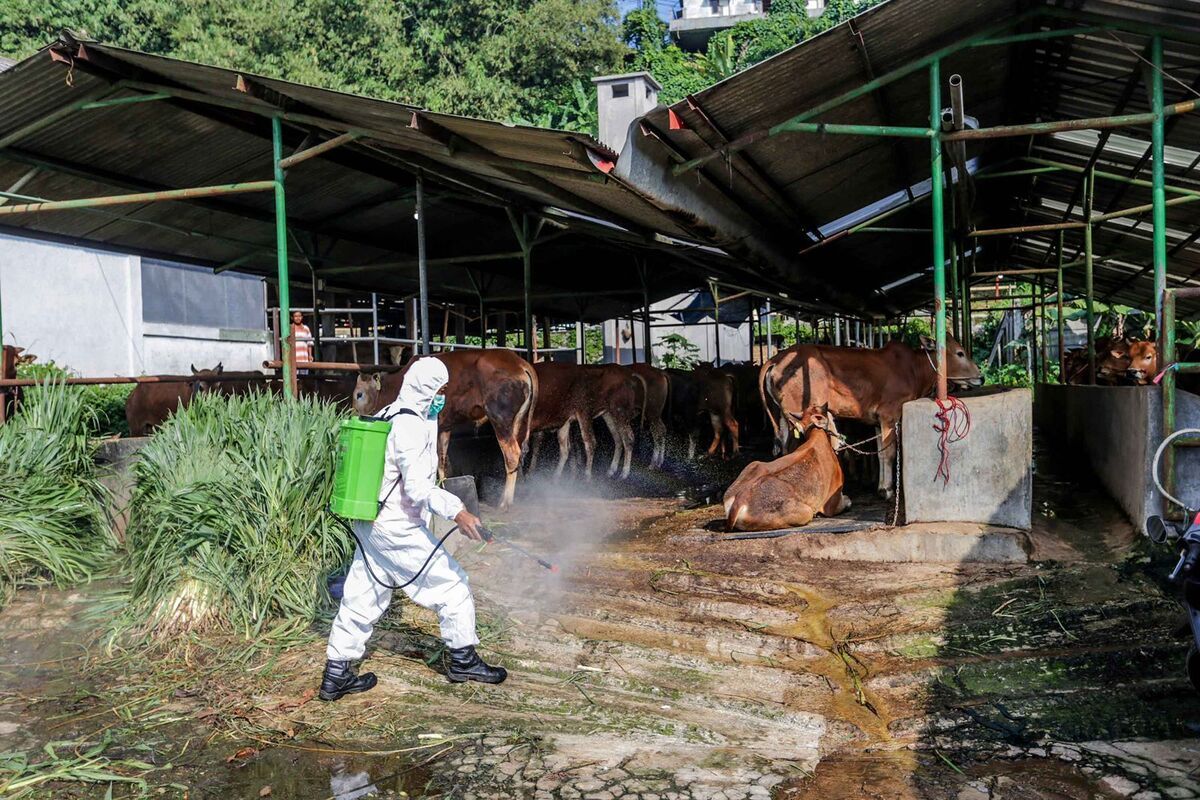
(1154, 466)
(350, 530)
(955, 425)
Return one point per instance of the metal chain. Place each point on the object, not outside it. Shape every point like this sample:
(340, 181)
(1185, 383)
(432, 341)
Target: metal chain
(896, 485)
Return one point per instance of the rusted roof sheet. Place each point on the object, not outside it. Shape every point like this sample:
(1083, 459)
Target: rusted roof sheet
(348, 209)
(798, 183)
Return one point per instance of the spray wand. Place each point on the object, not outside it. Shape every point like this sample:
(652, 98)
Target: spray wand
(489, 536)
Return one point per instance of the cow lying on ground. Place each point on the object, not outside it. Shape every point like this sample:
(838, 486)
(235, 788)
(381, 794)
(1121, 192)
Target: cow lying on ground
(1112, 361)
(573, 393)
(789, 491)
(867, 385)
(495, 386)
(653, 403)
(704, 392)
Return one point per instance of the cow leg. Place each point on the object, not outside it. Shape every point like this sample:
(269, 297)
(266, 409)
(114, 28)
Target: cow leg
(658, 434)
(887, 458)
(714, 419)
(564, 447)
(618, 442)
(731, 424)
(627, 436)
(535, 444)
(589, 443)
(510, 448)
(691, 447)
(443, 454)
(835, 505)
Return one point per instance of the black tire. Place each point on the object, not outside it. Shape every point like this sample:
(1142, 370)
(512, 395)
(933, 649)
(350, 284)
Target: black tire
(1193, 666)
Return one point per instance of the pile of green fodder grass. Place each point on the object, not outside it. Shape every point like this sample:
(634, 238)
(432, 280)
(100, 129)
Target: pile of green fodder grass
(105, 404)
(53, 509)
(229, 531)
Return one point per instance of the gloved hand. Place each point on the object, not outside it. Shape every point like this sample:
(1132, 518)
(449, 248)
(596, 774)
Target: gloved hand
(469, 525)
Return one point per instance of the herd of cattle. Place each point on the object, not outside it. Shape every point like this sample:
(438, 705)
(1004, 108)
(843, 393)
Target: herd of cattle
(799, 396)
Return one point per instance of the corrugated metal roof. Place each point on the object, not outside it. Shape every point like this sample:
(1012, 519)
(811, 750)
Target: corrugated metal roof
(797, 182)
(348, 209)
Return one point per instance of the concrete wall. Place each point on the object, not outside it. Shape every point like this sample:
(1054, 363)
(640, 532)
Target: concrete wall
(991, 470)
(1113, 431)
(83, 309)
(173, 349)
(78, 307)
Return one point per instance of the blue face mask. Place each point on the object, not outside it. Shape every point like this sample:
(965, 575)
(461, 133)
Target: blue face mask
(435, 408)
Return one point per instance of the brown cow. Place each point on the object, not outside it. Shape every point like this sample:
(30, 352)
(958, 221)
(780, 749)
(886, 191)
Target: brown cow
(569, 392)
(789, 491)
(496, 386)
(705, 392)
(658, 386)
(563, 398)
(149, 405)
(1112, 361)
(1142, 362)
(862, 384)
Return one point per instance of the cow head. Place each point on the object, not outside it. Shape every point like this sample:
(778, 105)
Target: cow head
(814, 417)
(1143, 362)
(366, 392)
(1115, 361)
(204, 380)
(961, 371)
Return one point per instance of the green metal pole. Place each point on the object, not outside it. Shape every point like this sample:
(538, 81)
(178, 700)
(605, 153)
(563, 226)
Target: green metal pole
(1062, 348)
(1045, 351)
(1087, 278)
(1168, 392)
(285, 301)
(954, 307)
(527, 276)
(939, 244)
(1158, 176)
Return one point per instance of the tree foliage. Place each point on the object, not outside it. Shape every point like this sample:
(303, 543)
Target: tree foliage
(521, 60)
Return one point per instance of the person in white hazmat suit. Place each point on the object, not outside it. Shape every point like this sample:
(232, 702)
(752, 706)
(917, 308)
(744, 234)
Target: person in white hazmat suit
(399, 542)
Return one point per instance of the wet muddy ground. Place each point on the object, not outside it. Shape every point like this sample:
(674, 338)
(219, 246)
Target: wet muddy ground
(667, 661)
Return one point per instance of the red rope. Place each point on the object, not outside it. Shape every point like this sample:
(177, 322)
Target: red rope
(953, 423)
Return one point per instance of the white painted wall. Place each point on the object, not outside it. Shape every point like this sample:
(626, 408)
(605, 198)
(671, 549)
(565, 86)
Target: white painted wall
(78, 307)
(82, 309)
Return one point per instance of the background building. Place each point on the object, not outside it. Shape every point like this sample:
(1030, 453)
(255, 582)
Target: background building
(99, 313)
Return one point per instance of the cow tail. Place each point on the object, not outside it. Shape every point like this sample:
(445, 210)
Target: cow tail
(764, 375)
(525, 413)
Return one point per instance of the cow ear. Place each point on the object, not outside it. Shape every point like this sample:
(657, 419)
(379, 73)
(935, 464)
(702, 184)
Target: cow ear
(927, 343)
(220, 368)
(377, 381)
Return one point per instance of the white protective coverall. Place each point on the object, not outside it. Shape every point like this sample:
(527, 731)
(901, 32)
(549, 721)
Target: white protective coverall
(399, 540)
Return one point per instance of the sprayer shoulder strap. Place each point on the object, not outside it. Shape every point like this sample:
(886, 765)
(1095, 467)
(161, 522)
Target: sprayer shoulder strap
(399, 478)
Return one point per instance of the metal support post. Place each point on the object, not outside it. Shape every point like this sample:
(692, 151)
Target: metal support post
(954, 307)
(837, 331)
(580, 350)
(1158, 178)
(527, 278)
(712, 287)
(375, 325)
(422, 265)
(1062, 346)
(1087, 278)
(1045, 352)
(287, 340)
(938, 225)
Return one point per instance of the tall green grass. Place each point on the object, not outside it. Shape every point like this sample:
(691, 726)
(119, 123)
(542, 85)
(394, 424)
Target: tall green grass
(105, 405)
(53, 522)
(228, 526)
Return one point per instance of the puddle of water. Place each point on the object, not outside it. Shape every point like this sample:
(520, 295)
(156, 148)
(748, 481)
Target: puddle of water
(305, 775)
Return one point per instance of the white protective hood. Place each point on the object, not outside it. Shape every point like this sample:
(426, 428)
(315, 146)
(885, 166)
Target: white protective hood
(422, 381)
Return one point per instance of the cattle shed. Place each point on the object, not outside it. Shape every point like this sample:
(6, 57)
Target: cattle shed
(894, 164)
(925, 149)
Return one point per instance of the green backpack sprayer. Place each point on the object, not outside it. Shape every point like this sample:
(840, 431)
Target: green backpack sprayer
(357, 482)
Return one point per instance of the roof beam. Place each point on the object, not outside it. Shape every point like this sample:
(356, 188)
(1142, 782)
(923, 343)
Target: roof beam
(764, 182)
(902, 163)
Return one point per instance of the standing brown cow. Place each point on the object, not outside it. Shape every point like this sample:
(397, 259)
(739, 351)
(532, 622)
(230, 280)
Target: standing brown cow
(496, 386)
(866, 385)
(705, 392)
(658, 386)
(149, 405)
(582, 393)
(789, 491)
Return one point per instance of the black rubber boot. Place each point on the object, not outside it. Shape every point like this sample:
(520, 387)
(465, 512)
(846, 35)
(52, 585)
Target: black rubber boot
(340, 680)
(464, 664)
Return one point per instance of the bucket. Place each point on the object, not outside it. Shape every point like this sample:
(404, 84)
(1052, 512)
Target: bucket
(362, 446)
